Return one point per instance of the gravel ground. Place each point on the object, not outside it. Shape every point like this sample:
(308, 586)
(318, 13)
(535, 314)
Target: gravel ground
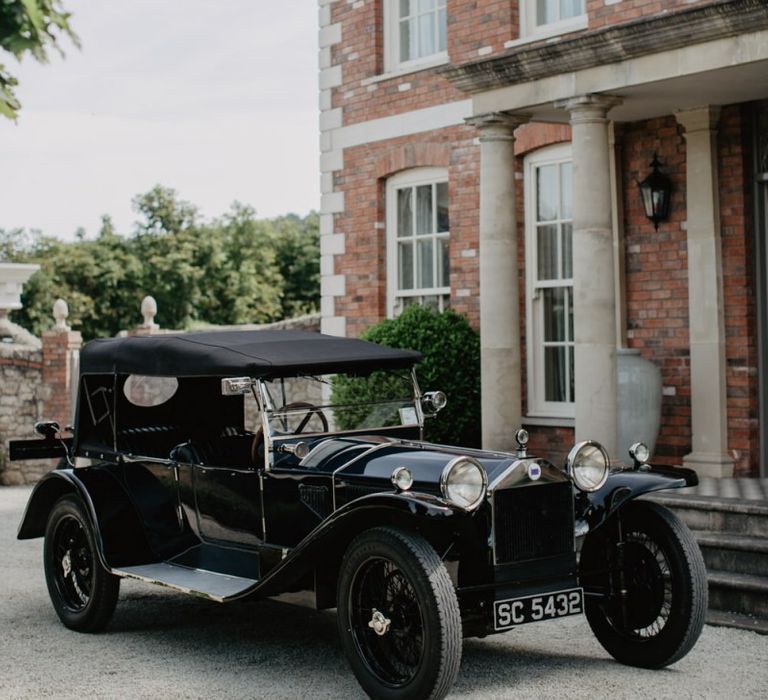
(162, 644)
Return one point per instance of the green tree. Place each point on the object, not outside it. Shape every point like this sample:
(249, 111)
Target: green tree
(298, 260)
(450, 362)
(232, 270)
(28, 27)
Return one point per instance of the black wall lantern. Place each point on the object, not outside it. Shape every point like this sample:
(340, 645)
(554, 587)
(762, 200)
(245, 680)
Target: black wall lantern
(655, 190)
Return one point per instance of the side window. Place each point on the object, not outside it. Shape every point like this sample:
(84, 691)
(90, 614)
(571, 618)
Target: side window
(550, 17)
(549, 282)
(418, 236)
(414, 33)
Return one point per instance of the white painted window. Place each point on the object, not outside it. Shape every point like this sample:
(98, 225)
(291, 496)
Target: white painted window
(414, 33)
(549, 281)
(418, 233)
(541, 18)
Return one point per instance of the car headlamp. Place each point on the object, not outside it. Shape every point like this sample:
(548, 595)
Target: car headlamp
(588, 464)
(463, 482)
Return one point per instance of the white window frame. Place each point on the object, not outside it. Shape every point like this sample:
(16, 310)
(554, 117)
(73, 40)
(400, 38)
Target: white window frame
(538, 407)
(392, 62)
(531, 31)
(408, 178)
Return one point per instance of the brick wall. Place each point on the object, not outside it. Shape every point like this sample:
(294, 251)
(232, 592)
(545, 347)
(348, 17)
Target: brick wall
(657, 283)
(363, 95)
(601, 13)
(734, 166)
(480, 29)
(363, 182)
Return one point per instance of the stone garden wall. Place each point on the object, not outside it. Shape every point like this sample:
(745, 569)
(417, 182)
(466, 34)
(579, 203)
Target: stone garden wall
(22, 399)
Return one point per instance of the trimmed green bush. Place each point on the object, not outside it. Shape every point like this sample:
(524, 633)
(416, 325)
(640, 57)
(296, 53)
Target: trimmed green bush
(451, 363)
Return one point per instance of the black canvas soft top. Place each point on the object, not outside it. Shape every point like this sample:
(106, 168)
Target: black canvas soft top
(268, 353)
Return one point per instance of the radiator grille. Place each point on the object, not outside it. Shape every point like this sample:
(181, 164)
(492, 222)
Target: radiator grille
(533, 522)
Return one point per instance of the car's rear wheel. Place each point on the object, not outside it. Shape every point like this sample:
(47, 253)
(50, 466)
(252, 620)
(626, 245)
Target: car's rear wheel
(83, 592)
(645, 585)
(398, 616)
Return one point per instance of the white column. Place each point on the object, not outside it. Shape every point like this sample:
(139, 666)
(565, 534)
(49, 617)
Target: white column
(499, 297)
(594, 303)
(709, 448)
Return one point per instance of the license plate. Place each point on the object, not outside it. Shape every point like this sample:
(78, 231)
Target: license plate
(535, 608)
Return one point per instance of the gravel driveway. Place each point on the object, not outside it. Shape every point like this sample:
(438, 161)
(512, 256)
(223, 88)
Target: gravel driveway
(166, 645)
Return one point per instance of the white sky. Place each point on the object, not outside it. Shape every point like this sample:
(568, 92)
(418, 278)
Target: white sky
(215, 98)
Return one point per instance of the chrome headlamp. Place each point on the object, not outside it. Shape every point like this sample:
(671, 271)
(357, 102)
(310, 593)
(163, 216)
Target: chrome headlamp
(588, 464)
(463, 482)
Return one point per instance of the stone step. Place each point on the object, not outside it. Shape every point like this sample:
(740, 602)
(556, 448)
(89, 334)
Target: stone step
(738, 554)
(721, 618)
(739, 593)
(709, 513)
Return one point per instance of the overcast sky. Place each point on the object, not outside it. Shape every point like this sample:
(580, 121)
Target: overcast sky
(215, 98)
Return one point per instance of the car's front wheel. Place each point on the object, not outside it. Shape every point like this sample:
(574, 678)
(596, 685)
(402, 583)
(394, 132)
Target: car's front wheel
(83, 592)
(645, 586)
(398, 616)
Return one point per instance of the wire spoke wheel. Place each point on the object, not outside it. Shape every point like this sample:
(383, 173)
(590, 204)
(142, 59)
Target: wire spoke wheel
(394, 652)
(648, 586)
(82, 591)
(398, 616)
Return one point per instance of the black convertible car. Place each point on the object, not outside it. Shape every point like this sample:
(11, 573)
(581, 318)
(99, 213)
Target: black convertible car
(252, 463)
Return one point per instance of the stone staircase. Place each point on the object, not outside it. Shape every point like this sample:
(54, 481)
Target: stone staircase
(729, 518)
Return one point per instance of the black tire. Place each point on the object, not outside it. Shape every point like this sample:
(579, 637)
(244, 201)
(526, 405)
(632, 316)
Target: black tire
(399, 576)
(651, 555)
(83, 592)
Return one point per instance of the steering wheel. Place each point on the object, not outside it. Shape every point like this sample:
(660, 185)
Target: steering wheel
(257, 446)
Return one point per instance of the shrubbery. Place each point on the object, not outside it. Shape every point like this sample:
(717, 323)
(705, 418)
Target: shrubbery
(451, 363)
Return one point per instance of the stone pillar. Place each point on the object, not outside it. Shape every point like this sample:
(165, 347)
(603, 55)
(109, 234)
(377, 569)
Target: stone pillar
(709, 449)
(61, 352)
(499, 281)
(594, 303)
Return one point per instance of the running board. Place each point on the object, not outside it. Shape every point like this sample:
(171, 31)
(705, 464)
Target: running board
(208, 584)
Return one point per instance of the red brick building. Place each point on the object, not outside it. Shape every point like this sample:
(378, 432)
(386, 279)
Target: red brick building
(485, 155)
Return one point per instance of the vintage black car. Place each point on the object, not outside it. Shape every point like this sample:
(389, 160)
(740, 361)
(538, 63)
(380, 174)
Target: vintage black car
(252, 463)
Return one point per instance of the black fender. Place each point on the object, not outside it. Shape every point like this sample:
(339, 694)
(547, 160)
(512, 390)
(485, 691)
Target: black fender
(322, 549)
(118, 531)
(623, 486)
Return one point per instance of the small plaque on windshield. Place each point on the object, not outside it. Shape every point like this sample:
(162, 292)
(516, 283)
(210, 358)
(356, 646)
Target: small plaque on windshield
(408, 415)
(236, 386)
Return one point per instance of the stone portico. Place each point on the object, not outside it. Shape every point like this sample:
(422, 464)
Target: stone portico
(660, 73)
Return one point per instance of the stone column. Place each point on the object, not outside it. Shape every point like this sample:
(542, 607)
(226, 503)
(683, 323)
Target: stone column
(709, 449)
(61, 352)
(499, 281)
(594, 303)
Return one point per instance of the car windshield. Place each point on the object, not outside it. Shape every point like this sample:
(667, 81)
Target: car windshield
(340, 402)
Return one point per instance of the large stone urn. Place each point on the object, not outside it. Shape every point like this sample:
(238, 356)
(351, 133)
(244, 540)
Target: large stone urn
(639, 386)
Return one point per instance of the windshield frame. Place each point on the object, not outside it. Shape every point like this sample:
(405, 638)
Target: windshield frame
(268, 411)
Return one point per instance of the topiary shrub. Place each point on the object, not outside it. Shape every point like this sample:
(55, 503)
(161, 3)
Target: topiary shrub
(450, 362)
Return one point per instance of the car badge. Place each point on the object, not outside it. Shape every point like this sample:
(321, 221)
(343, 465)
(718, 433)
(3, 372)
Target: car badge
(534, 471)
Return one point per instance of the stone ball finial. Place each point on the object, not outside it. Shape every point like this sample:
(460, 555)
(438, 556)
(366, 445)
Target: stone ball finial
(149, 311)
(60, 315)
